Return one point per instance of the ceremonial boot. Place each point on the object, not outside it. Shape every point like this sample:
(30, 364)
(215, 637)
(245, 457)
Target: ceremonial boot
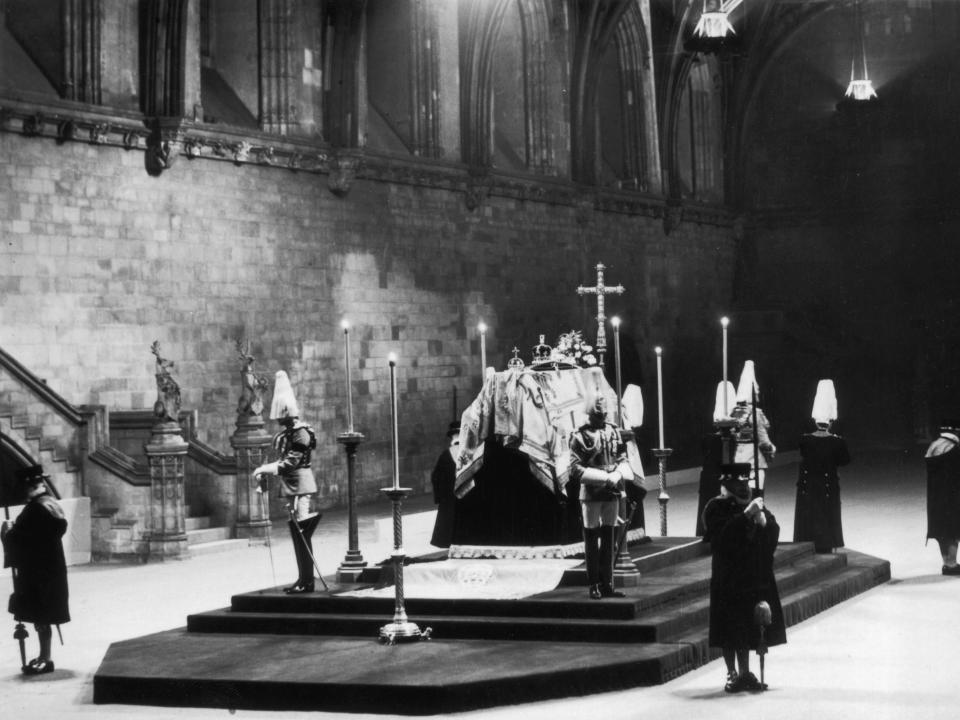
(607, 535)
(591, 556)
(304, 581)
(305, 563)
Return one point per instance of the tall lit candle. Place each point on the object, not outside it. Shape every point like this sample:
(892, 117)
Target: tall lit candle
(615, 321)
(482, 327)
(395, 437)
(724, 321)
(345, 324)
(659, 351)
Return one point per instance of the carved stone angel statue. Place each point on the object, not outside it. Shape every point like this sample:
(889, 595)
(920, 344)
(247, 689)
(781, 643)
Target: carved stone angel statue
(167, 406)
(253, 384)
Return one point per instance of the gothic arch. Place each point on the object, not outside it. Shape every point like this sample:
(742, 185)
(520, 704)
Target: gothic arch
(481, 27)
(595, 27)
(638, 111)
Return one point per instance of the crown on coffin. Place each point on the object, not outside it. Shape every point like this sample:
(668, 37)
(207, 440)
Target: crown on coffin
(571, 351)
(542, 352)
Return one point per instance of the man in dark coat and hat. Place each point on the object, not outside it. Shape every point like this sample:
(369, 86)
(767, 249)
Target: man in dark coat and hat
(743, 537)
(943, 494)
(33, 547)
(443, 478)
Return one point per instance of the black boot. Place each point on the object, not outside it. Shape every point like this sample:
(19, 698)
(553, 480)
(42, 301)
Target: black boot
(304, 582)
(306, 560)
(297, 550)
(607, 538)
(591, 556)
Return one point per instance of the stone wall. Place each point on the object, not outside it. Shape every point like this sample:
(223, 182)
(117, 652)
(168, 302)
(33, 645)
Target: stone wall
(99, 259)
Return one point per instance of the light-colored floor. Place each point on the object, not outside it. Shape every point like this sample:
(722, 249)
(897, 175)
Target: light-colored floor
(892, 652)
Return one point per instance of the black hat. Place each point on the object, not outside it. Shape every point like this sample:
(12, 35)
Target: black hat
(454, 429)
(735, 477)
(30, 475)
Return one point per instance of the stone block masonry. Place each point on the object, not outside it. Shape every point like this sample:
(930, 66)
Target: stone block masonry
(99, 259)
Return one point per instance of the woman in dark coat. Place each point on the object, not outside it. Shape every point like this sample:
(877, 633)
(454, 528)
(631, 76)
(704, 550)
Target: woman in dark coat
(743, 536)
(943, 494)
(443, 478)
(33, 547)
(817, 513)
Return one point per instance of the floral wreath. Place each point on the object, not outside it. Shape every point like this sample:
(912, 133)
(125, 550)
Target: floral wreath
(572, 348)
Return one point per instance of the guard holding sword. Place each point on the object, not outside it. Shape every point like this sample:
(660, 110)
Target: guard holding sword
(598, 461)
(294, 445)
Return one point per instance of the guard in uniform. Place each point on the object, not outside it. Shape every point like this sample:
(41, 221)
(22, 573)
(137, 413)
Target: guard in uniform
(746, 433)
(33, 546)
(817, 514)
(598, 461)
(943, 494)
(294, 445)
(719, 448)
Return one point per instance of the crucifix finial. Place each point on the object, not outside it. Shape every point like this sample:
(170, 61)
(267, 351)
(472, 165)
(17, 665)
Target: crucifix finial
(600, 290)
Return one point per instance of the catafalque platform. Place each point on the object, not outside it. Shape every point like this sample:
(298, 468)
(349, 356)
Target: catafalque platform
(321, 651)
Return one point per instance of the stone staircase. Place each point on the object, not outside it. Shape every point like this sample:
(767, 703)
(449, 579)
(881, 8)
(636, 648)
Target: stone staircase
(39, 426)
(203, 539)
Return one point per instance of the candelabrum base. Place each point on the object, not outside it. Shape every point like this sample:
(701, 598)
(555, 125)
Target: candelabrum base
(626, 579)
(403, 631)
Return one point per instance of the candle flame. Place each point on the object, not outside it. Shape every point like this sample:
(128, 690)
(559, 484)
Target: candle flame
(345, 324)
(615, 321)
(658, 350)
(724, 321)
(392, 358)
(482, 327)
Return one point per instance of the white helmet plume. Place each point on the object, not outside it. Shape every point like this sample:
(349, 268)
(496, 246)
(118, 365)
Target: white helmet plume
(825, 403)
(284, 404)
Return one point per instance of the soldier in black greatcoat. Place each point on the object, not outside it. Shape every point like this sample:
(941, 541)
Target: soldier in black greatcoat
(743, 536)
(943, 494)
(33, 546)
(817, 513)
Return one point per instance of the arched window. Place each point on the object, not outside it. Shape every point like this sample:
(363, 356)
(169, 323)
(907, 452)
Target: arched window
(261, 64)
(699, 136)
(514, 110)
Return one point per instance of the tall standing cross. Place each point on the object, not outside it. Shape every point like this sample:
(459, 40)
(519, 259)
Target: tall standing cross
(600, 290)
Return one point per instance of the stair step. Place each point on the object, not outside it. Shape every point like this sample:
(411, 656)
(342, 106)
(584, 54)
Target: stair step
(207, 535)
(197, 523)
(216, 546)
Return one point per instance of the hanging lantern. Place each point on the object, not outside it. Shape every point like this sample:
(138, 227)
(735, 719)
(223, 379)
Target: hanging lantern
(714, 22)
(860, 87)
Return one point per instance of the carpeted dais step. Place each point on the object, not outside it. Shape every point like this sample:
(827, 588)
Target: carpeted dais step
(482, 652)
(343, 674)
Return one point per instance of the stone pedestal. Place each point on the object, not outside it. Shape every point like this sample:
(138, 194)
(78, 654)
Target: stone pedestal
(251, 445)
(166, 452)
(353, 562)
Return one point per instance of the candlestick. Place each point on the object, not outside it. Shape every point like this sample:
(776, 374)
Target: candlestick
(659, 351)
(724, 321)
(482, 327)
(346, 361)
(615, 321)
(395, 442)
